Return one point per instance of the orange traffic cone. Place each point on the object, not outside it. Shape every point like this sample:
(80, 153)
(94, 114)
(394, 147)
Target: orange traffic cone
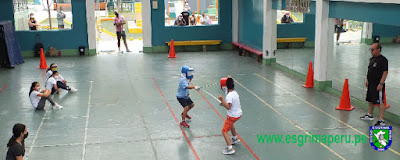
(43, 64)
(310, 77)
(345, 103)
(384, 101)
(172, 50)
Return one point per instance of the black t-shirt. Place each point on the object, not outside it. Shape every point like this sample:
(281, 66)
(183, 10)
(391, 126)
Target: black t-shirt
(15, 150)
(33, 27)
(186, 17)
(376, 67)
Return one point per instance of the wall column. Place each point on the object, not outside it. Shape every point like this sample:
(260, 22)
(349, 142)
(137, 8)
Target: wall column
(323, 42)
(146, 17)
(269, 32)
(235, 20)
(91, 25)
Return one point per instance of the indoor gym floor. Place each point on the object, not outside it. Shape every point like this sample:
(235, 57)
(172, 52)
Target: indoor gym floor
(126, 108)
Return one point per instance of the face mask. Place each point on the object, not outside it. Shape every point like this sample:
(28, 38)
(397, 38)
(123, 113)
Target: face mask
(26, 135)
(54, 69)
(56, 77)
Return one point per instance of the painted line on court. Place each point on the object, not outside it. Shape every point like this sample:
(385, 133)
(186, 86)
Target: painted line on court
(87, 121)
(4, 87)
(291, 121)
(176, 119)
(247, 146)
(36, 135)
(319, 109)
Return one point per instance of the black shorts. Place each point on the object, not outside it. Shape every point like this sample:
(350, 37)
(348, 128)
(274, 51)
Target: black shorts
(373, 95)
(185, 101)
(121, 34)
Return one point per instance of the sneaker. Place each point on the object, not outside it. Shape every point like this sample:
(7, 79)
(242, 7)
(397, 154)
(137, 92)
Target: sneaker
(184, 124)
(228, 151)
(367, 117)
(235, 141)
(72, 90)
(380, 123)
(57, 107)
(187, 116)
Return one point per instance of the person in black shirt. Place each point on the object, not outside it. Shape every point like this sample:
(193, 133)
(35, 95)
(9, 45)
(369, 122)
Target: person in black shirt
(186, 15)
(286, 18)
(32, 22)
(16, 146)
(377, 73)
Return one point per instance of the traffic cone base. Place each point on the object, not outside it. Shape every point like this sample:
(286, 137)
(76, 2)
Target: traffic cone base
(346, 109)
(345, 103)
(172, 50)
(310, 77)
(43, 64)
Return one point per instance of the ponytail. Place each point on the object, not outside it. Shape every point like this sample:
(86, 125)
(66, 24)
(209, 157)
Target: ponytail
(17, 130)
(32, 87)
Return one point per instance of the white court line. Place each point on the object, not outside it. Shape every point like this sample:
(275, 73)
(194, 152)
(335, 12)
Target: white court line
(37, 133)
(292, 122)
(319, 109)
(87, 121)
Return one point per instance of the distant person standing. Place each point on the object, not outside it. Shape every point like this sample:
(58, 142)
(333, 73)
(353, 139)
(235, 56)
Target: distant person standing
(60, 18)
(377, 73)
(287, 18)
(32, 22)
(119, 22)
(338, 28)
(186, 15)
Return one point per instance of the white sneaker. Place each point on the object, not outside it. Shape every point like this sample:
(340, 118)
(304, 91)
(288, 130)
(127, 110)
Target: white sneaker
(57, 107)
(235, 141)
(73, 90)
(228, 151)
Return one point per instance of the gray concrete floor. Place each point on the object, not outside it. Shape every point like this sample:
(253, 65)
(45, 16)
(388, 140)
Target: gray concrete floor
(119, 111)
(350, 61)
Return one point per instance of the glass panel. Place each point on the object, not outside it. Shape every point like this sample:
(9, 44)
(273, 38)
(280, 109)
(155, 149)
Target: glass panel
(289, 17)
(34, 14)
(191, 12)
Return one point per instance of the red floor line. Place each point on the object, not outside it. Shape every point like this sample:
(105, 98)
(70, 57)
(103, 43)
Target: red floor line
(4, 87)
(176, 119)
(247, 146)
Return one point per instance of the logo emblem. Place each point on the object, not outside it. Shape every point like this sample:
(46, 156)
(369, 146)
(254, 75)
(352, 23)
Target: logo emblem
(380, 137)
(374, 65)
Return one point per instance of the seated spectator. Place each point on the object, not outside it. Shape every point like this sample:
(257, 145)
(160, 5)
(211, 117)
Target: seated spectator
(61, 82)
(180, 21)
(193, 20)
(205, 19)
(286, 18)
(38, 97)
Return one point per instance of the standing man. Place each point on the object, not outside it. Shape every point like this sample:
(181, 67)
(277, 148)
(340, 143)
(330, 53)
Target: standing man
(377, 73)
(119, 22)
(338, 29)
(60, 18)
(185, 15)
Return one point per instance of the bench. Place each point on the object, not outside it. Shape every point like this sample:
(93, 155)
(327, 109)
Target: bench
(249, 49)
(291, 40)
(196, 43)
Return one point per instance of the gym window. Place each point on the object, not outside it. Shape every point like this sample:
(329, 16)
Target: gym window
(60, 15)
(294, 17)
(191, 12)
